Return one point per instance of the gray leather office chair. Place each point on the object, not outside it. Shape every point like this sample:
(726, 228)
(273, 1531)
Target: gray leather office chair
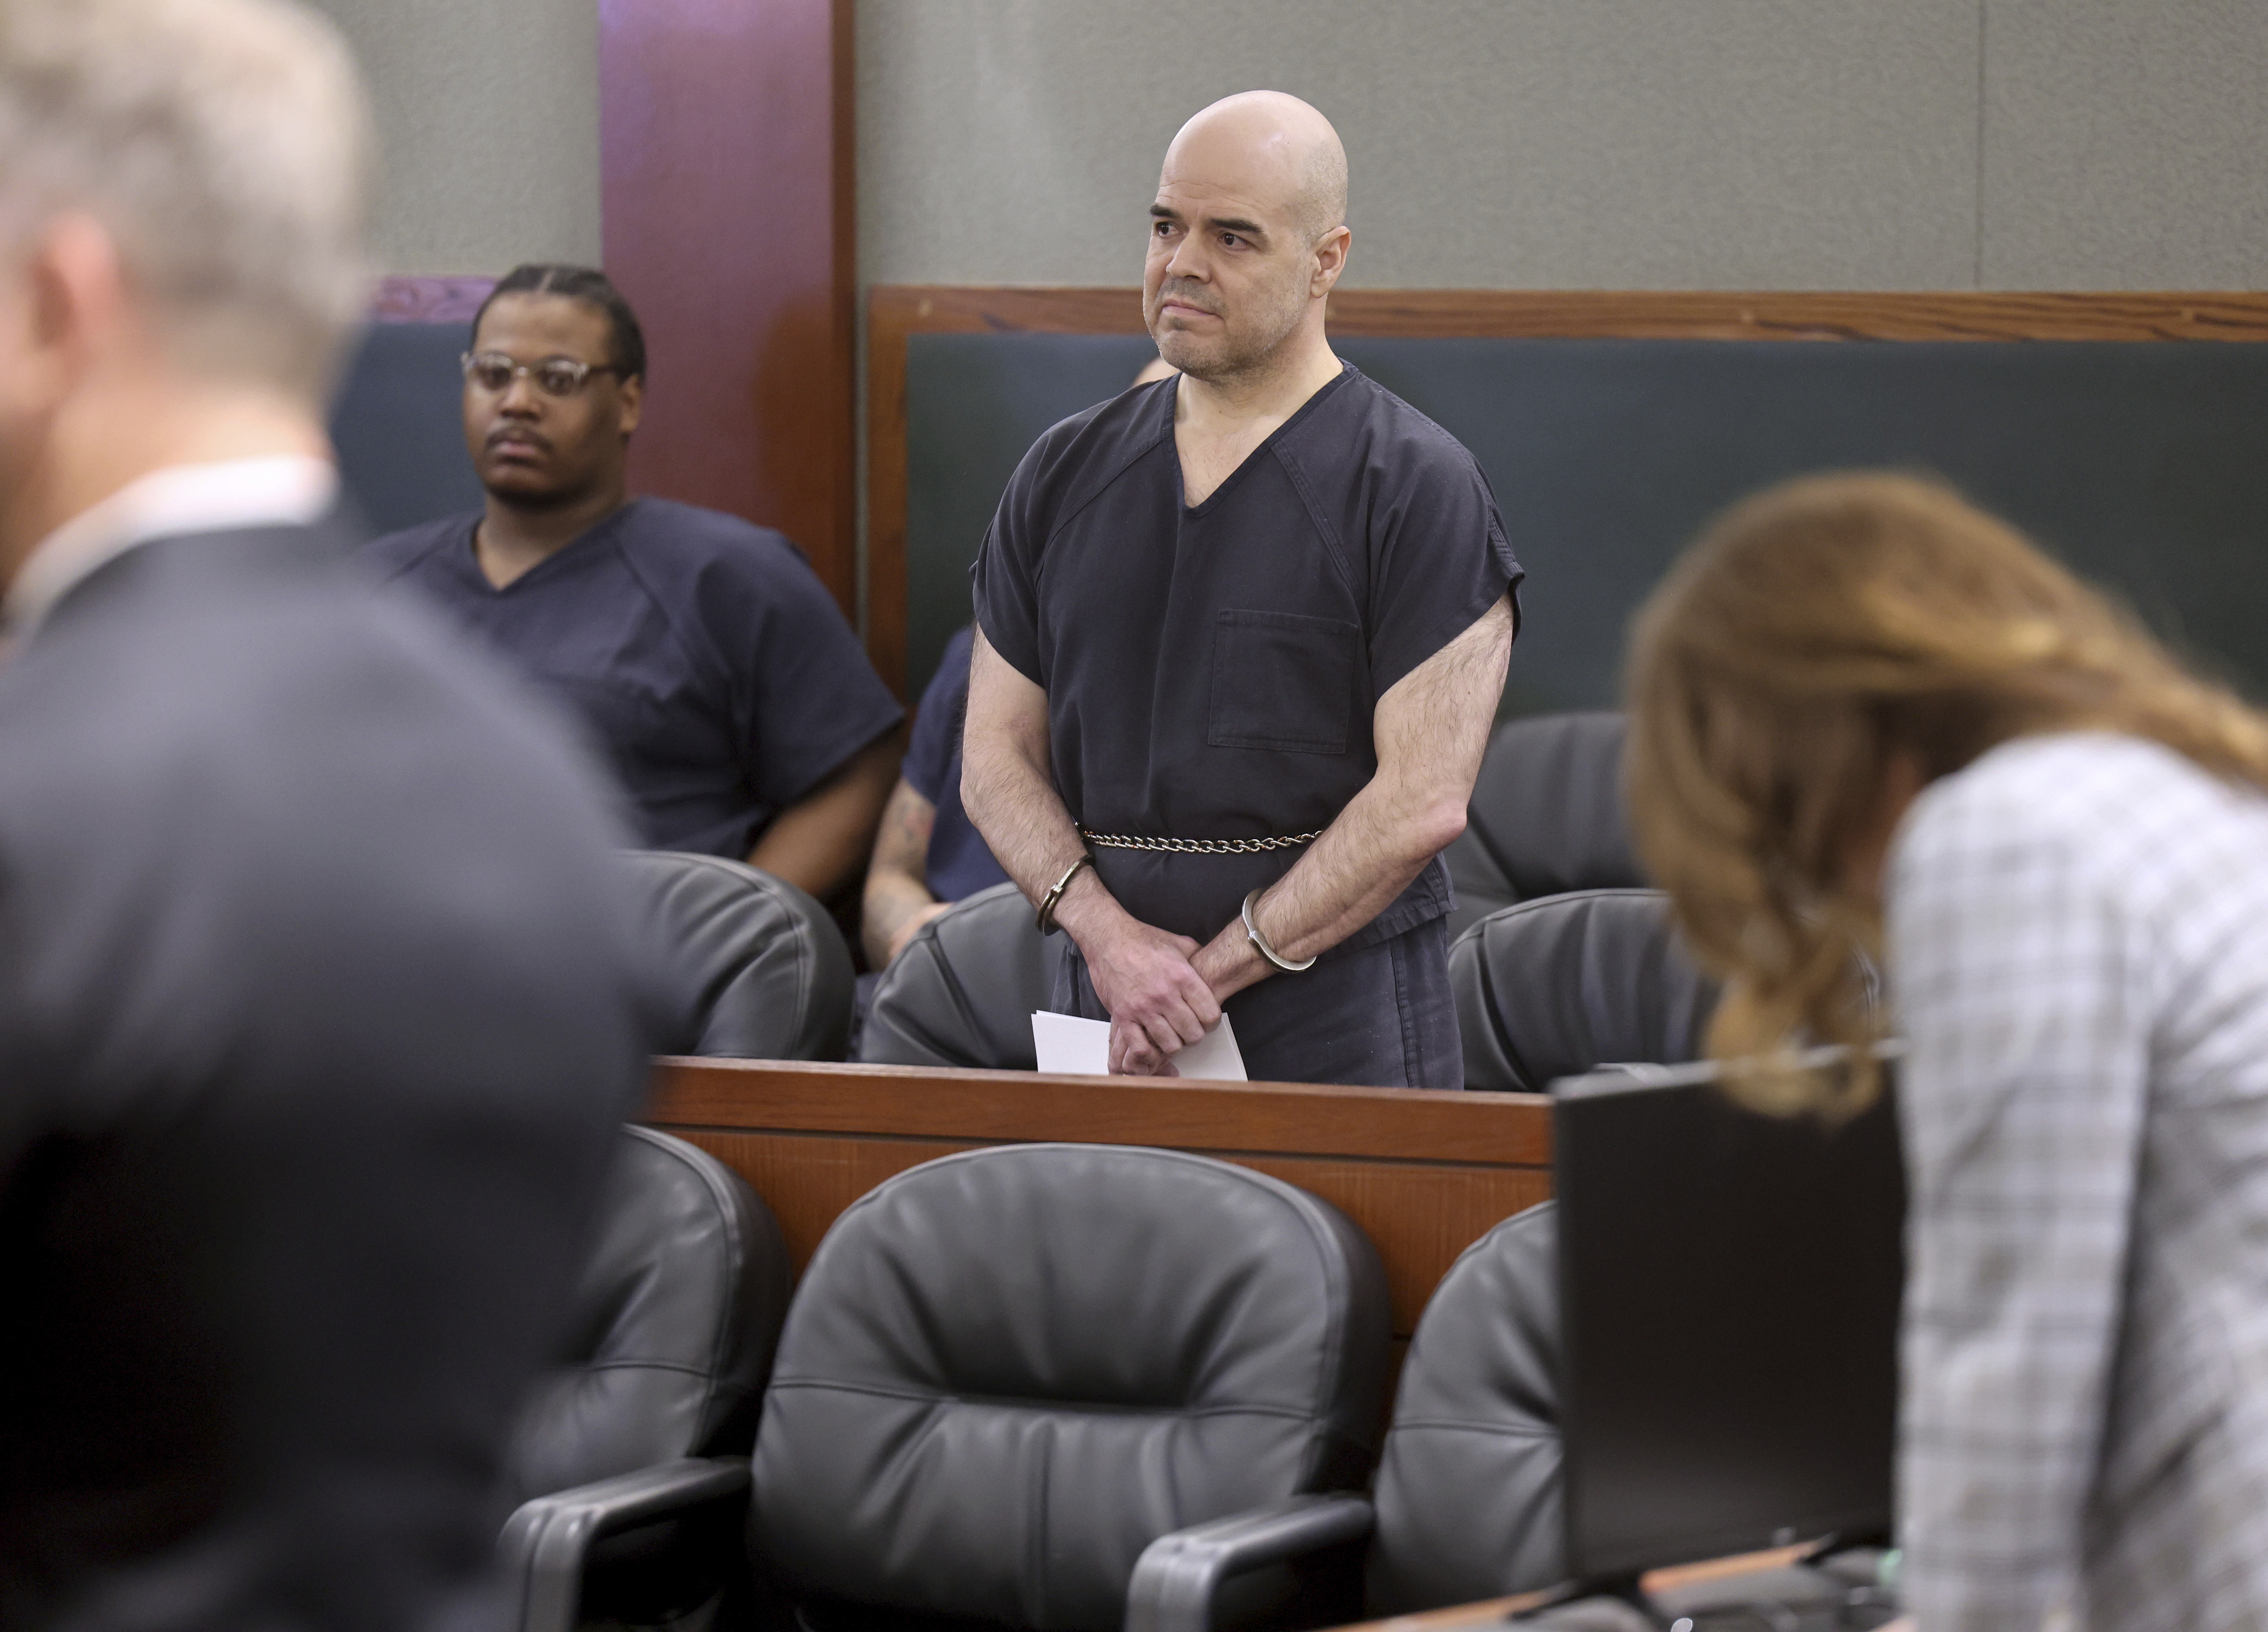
(1546, 817)
(1467, 1503)
(962, 991)
(1468, 1496)
(1557, 986)
(1006, 1372)
(756, 970)
(677, 1316)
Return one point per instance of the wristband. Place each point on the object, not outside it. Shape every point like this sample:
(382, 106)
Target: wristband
(1046, 916)
(1252, 934)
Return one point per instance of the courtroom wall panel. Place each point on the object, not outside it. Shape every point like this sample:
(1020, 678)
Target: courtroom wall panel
(2127, 145)
(1748, 143)
(1491, 143)
(488, 127)
(2123, 430)
(1596, 143)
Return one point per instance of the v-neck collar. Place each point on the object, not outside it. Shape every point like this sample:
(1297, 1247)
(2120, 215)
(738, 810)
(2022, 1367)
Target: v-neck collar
(574, 546)
(1197, 513)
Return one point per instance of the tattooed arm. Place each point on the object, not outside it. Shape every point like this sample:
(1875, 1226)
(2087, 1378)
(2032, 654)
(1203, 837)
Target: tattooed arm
(898, 901)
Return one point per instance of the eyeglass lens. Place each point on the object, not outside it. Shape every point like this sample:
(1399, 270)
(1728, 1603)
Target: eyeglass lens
(492, 371)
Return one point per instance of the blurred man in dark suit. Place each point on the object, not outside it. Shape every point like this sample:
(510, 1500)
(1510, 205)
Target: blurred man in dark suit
(318, 1005)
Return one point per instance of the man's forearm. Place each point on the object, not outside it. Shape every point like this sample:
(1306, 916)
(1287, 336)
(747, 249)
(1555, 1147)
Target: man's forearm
(1368, 856)
(820, 843)
(1012, 799)
(1157, 1002)
(1432, 728)
(897, 887)
(894, 899)
(1021, 817)
(1025, 823)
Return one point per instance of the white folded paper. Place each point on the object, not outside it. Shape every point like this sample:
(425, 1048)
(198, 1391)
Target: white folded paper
(1082, 1048)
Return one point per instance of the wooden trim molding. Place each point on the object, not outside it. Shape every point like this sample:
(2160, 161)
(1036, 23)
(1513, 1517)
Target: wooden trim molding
(1404, 1125)
(1795, 315)
(402, 299)
(897, 311)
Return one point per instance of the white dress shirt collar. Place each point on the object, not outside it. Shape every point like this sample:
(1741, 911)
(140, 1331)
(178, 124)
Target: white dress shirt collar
(285, 489)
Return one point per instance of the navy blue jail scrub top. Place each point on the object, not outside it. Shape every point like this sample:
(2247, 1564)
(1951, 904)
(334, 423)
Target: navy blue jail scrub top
(704, 659)
(1211, 671)
(959, 863)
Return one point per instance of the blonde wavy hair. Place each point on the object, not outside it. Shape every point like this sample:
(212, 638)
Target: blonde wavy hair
(1814, 635)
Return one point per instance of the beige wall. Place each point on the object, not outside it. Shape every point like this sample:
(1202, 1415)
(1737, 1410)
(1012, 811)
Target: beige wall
(1629, 143)
(1634, 144)
(488, 116)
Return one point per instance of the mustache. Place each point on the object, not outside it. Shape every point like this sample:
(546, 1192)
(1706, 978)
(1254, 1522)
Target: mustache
(519, 433)
(1187, 294)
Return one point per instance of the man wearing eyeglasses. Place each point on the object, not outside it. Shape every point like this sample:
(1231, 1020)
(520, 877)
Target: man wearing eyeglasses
(706, 661)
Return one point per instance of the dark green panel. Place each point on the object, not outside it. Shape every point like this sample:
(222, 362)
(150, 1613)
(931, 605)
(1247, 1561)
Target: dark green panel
(2144, 465)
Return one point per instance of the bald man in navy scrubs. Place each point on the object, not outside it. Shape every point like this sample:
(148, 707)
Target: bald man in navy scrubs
(1242, 634)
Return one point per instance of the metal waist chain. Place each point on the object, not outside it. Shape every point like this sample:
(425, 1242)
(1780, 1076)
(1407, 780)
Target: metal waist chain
(1197, 846)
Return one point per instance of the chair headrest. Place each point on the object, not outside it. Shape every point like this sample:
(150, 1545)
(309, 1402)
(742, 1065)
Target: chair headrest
(1558, 986)
(1547, 808)
(755, 967)
(963, 990)
(1007, 1371)
(675, 1317)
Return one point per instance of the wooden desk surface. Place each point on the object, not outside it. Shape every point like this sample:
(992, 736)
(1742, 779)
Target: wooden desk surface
(1490, 1610)
(1423, 1173)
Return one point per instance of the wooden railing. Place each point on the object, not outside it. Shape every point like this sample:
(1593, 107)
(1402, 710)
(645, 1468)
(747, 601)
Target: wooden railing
(1424, 1174)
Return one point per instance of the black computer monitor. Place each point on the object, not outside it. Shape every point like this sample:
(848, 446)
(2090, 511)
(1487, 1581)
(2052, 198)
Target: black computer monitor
(1729, 1285)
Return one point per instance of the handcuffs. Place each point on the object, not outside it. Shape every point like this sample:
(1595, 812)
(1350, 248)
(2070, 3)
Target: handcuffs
(1260, 942)
(1045, 917)
(1049, 902)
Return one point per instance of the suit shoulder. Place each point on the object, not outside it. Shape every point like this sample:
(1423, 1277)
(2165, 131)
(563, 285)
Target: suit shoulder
(186, 657)
(262, 760)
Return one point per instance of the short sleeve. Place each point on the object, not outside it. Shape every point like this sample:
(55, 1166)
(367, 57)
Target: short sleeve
(806, 698)
(1437, 554)
(1004, 576)
(937, 722)
(1443, 562)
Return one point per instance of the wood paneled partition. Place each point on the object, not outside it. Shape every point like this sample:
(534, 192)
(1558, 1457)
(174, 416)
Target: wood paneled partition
(896, 313)
(406, 300)
(727, 130)
(1424, 1174)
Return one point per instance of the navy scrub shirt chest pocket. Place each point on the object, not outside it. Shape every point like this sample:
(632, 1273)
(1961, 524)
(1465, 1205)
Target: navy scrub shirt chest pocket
(1282, 681)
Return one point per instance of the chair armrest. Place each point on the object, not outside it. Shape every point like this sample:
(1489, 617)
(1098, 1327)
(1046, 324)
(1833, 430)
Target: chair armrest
(1178, 1576)
(546, 1540)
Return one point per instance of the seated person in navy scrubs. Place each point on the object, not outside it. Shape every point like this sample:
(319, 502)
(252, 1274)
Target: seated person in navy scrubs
(929, 854)
(713, 667)
(1241, 635)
